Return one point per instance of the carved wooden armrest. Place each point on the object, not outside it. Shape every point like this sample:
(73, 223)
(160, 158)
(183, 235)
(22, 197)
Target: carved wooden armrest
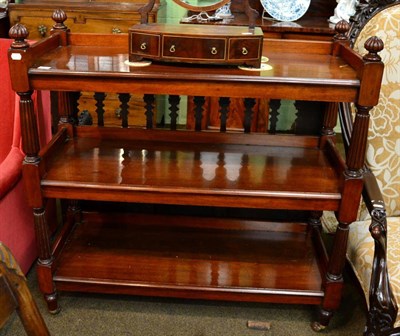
(382, 305)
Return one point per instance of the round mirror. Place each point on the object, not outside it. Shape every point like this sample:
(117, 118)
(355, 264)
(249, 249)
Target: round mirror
(201, 5)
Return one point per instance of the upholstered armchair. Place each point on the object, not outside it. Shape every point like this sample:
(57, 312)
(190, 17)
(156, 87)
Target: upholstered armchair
(16, 218)
(374, 247)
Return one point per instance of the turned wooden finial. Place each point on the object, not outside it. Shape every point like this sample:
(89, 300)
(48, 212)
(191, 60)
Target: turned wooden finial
(373, 45)
(59, 17)
(341, 29)
(19, 33)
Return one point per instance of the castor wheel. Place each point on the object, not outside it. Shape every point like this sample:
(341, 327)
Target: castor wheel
(317, 327)
(52, 303)
(55, 311)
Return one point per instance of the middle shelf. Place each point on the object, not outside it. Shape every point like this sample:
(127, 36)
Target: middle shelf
(194, 168)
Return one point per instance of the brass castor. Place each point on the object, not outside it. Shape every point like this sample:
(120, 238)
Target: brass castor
(317, 327)
(55, 311)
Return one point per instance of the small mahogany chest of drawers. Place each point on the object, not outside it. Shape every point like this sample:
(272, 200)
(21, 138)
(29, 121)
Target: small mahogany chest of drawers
(208, 44)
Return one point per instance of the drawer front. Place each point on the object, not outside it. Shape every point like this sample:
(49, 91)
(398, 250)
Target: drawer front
(145, 44)
(244, 48)
(199, 49)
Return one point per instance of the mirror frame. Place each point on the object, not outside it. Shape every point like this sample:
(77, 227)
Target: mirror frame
(217, 5)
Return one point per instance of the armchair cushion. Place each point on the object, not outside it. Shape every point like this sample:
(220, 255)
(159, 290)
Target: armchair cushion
(10, 138)
(10, 170)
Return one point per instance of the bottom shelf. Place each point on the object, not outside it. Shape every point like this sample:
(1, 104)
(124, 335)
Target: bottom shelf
(191, 257)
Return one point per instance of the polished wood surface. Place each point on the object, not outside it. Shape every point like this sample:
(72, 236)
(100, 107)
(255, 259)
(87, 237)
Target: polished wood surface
(193, 170)
(200, 166)
(307, 28)
(314, 67)
(85, 50)
(200, 257)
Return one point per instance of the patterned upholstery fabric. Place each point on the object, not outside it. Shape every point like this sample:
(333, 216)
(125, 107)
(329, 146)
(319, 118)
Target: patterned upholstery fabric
(383, 153)
(383, 150)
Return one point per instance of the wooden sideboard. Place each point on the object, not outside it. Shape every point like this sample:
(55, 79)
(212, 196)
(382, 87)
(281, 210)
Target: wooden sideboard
(314, 25)
(103, 17)
(147, 233)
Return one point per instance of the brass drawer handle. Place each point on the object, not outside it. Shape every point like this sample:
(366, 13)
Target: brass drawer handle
(143, 46)
(244, 51)
(116, 30)
(42, 29)
(214, 51)
(172, 49)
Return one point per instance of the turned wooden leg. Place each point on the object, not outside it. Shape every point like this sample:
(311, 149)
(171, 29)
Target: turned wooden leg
(333, 285)
(333, 282)
(45, 261)
(331, 294)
